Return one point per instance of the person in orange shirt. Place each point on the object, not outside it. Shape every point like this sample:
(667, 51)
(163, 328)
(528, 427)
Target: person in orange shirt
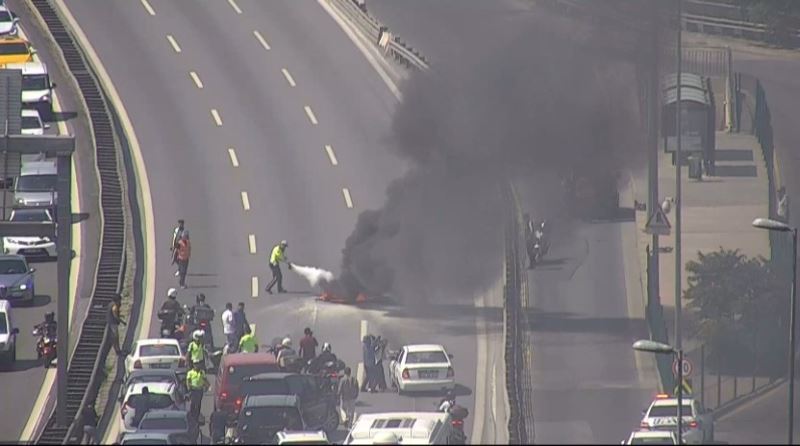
(184, 251)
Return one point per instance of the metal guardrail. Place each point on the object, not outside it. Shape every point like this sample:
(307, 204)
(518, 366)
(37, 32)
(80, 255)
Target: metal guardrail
(379, 35)
(88, 360)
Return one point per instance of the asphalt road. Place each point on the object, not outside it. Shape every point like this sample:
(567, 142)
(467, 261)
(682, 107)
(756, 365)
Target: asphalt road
(586, 386)
(294, 191)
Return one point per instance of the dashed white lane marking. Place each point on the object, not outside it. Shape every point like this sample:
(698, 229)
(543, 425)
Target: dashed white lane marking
(245, 201)
(235, 6)
(234, 158)
(254, 286)
(348, 200)
(251, 239)
(196, 79)
(331, 155)
(216, 116)
(261, 40)
(148, 7)
(364, 329)
(174, 43)
(288, 77)
(311, 116)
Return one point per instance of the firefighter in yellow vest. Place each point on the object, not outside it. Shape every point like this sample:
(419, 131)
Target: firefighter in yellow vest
(196, 383)
(248, 342)
(277, 256)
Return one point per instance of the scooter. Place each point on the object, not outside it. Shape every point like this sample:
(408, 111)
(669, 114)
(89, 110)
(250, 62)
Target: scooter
(45, 347)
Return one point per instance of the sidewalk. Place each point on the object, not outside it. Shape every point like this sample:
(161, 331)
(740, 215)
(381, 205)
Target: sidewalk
(716, 212)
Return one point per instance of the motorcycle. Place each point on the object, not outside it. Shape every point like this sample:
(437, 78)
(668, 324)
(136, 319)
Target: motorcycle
(174, 326)
(201, 320)
(330, 374)
(539, 245)
(45, 346)
(457, 416)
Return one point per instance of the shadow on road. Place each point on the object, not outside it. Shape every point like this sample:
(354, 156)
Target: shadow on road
(62, 116)
(39, 300)
(22, 365)
(565, 322)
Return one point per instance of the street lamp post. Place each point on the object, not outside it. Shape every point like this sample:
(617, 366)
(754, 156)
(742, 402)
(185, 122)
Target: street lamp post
(774, 225)
(645, 345)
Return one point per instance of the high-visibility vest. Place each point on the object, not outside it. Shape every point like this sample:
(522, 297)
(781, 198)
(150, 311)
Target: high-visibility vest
(195, 379)
(248, 344)
(196, 352)
(277, 255)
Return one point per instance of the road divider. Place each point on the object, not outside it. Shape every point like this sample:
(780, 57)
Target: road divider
(147, 7)
(235, 6)
(288, 77)
(348, 200)
(251, 241)
(174, 43)
(217, 117)
(245, 201)
(254, 286)
(331, 155)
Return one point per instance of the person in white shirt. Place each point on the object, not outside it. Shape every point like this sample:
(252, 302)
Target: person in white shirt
(227, 328)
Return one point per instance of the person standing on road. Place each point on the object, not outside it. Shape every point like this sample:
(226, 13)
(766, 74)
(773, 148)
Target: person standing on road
(228, 328)
(277, 256)
(348, 393)
(248, 342)
(240, 322)
(183, 252)
(195, 351)
(113, 321)
(89, 424)
(308, 345)
(197, 383)
(368, 351)
(177, 232)
(379, 376)
(141, 406)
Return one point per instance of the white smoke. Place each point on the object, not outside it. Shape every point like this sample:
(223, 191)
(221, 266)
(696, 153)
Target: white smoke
(314, 276)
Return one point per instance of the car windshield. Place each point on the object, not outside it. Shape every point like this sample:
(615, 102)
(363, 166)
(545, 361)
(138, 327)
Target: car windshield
(31, 122)
(157, 400)
(670, 411)
(266, 387)
(237, 373)
(159, 350)
(13, 48)
(5, 16)
(157, 424)
(30, 215)
(34, 183)
(34, 82)
(651, 440)
(3, 324)
(426, 357)
(12, 266)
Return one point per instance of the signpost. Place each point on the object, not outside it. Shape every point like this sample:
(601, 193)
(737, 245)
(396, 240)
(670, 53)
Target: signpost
(688, 368)
(658, 224)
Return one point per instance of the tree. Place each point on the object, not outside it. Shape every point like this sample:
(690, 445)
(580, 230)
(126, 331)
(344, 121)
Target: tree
(741, 307)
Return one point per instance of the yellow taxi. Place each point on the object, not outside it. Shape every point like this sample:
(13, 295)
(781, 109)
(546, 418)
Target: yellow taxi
(15, 50)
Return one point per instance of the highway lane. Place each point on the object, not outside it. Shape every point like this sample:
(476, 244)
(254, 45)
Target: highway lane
(293, 189)
(586, 386)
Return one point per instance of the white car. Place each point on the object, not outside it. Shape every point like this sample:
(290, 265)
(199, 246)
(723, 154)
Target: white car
(8, 22)
(32, 123)
(8, 335)
(652, 437)
(422, 368)
(302, 437)
(155, 354)
(662, 415)
(163, 395)
(30, 246)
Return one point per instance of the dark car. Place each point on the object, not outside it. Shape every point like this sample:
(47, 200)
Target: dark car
(317, 405)
(16, 279)
(175, 422)
(262, 416)
(235, 368)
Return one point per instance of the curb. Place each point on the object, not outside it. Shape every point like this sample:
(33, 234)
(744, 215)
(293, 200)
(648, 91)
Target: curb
(728, 408)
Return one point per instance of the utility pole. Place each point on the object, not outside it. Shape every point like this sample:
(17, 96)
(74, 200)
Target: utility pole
(654, 101)
(678, 199)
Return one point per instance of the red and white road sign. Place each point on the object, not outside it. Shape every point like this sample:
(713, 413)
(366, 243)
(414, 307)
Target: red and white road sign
(688, 368)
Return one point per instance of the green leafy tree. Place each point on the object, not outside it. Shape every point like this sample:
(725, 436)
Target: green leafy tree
(741, 307)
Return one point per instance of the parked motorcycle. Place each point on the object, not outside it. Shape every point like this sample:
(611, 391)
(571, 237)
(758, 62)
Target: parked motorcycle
(45, 346)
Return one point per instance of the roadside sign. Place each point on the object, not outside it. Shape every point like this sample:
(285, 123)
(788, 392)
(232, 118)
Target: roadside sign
(658, 224)
(688, 368)
(687, 387)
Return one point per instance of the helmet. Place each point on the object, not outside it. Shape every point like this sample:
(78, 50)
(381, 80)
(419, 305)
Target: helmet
(326, 347)
(49, 317)
(284, 243)
(287, 342)
(201, 297)
(197, 334)
(172, 293)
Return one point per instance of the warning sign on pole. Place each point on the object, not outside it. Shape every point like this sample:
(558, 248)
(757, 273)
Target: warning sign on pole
(658, 224)
(688, 368)
(687, 387)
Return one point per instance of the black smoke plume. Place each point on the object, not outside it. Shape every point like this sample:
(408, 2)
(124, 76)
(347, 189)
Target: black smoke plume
(531, 107)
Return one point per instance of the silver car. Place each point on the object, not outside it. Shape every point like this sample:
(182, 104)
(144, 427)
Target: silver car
(36, 184)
